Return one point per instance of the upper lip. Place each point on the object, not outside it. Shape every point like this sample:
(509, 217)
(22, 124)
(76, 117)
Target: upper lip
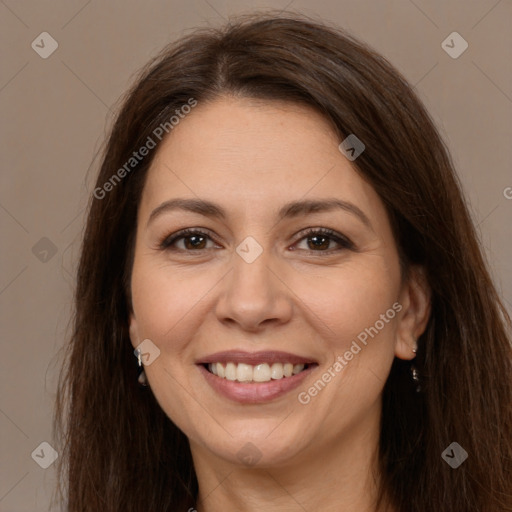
(254, 358)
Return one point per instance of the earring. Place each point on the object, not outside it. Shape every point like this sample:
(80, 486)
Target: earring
(414, 371)
(143, 381)
(416, 378)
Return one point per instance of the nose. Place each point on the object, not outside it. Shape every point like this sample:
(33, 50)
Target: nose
(254, 295)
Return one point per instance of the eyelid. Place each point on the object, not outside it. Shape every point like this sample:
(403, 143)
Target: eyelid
(339, 238)
(343, 241)
(167, 240)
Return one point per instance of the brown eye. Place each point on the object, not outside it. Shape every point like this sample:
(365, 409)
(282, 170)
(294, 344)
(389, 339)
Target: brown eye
(321, 240)
(193, 240)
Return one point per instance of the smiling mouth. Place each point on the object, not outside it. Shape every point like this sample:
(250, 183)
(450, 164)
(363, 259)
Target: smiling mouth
(255, 377)
(263, 372)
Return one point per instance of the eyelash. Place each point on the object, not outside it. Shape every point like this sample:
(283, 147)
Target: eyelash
(167, 242)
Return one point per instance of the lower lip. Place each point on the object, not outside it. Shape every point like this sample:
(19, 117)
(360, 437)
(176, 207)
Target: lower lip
(254, 392)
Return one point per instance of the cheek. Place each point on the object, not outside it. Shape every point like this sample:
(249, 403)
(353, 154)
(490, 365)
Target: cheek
(165, 301)
(358, 323)
(343, 301)
(351, 300)
(168, 307)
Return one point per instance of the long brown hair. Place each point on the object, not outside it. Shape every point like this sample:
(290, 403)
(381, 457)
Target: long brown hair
(120, 452)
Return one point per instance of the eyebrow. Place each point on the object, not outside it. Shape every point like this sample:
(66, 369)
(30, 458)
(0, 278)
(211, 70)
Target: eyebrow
(292, 209)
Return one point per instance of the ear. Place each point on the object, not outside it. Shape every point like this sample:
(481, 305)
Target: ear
(415, 298)
(134, 331)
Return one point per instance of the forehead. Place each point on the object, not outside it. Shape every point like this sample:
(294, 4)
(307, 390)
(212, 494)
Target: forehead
(253, 154)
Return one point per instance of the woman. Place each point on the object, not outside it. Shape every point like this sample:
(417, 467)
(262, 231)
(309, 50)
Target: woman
(278, 248)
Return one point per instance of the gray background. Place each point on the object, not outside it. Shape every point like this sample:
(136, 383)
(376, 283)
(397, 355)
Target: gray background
(56, 111)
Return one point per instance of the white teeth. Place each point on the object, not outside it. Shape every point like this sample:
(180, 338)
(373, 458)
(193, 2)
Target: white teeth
(297, 368)
(261, 373)
(242, 372)
(277, 371)
(230, 371)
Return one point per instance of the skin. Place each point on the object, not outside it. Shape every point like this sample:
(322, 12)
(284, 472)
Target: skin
(251, 157)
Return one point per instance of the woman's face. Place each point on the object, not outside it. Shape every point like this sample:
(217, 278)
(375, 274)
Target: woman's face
(298, 309)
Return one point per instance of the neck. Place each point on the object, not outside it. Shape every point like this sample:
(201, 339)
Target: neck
(339, 476)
